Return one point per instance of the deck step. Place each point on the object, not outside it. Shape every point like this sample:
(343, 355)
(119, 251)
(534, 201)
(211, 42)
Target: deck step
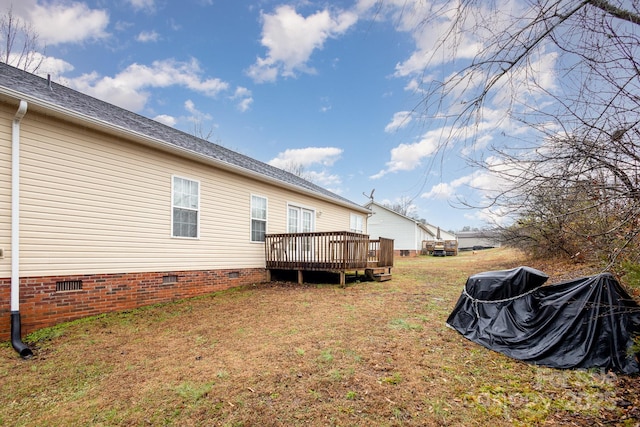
(380, 274)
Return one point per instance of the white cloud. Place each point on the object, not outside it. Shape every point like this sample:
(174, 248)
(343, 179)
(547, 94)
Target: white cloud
(51, 66)
(476, 189)
(190, 106)
(325, 104)
(121, 26)
(430, 24)
(301, 160)
(291, 39)
(400, 120)
(128, 88)
(325, 156)
(447, 190)
(245, 104)
(196, 115)
(111, 90)
(441, 38)
(242, 92)
(532, 82)
(143, 4)
(148, 36)
(68, 22)
(406, 157)
(478, 145)
(441, 190)
(324, 179)
(244, 98)
(166, 119)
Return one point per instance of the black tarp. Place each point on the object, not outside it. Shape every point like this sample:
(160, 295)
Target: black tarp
(584, 323)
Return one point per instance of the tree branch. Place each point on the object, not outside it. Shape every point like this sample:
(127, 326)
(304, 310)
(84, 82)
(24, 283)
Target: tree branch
(616, 12)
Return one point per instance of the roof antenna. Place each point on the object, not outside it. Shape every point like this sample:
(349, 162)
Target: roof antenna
(49, 81)
(370, 196)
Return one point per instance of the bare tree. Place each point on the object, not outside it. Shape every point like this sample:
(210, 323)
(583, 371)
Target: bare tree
(299, 170)
(198, 130)
(578, 173)
(574, 196)
(19, 43)
(403, 206)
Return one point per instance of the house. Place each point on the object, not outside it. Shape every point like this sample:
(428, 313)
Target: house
(102, 209)
(478, 239)
(407, 233)
(441, 234)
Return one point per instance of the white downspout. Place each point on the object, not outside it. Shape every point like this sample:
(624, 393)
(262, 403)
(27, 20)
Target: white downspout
(16, 338)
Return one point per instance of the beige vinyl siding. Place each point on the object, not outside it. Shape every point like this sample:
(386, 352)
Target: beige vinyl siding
(91, 203)
(5, 190)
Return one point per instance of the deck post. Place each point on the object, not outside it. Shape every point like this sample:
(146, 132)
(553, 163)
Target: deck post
(300, 281)
(343, 280)
(268, 275)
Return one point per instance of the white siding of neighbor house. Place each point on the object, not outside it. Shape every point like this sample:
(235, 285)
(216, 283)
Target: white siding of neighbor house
(422, 236)
(404, 231)
(92, 203)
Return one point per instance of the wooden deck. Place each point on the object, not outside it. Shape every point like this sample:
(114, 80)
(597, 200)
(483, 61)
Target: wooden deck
(337, 252)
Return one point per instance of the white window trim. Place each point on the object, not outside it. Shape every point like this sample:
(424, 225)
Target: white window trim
(198, 210)
(306, 208)
(266, 222)
(361, 220)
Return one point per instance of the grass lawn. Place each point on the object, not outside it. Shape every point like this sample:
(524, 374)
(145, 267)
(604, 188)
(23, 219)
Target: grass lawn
(281, 354)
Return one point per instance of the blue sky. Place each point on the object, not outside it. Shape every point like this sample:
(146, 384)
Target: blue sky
(333, 87)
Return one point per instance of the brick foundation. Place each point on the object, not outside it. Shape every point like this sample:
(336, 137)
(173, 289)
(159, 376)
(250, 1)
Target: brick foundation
(41, 305)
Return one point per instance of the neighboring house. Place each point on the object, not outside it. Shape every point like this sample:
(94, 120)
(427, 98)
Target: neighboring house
(440, 234)
(472, 240)
(407, 233)
(118, 211)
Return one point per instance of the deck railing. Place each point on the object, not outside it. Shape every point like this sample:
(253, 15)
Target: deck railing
(333, 251)
(381, 252)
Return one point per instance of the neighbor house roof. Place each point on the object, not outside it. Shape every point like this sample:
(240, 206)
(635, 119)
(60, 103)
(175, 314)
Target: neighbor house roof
(56, 100)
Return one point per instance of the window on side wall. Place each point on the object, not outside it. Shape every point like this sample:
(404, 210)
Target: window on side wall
(185, 213)
(356, 223)
(258, 218)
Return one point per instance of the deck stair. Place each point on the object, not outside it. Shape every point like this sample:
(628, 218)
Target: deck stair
(378, 274)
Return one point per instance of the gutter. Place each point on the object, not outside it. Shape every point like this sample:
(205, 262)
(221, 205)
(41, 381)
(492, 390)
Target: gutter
(16, 334)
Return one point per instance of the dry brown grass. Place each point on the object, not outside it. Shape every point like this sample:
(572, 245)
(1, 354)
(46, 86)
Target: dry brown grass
(281, 354)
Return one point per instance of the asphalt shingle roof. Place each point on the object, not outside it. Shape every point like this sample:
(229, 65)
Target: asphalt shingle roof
(71, 100)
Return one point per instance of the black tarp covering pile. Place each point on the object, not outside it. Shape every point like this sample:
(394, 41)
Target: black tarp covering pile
(583, 323)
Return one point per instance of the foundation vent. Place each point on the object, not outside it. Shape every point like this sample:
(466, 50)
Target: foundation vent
(169, 279)
(68, 285)
(234, 275)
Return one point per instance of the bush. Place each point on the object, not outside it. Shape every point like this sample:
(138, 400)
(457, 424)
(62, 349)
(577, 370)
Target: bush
(631, 274)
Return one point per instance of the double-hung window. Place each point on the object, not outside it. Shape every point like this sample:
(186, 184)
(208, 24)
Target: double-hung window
(258, 218)
(356, 223)
(185, 214)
